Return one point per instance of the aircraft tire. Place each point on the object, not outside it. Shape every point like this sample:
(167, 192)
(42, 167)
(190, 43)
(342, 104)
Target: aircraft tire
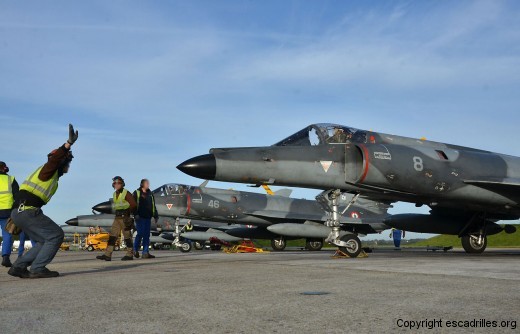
(314, 244)
(185, 247)
(279, 244)
(353, 247)
(198, 245)
(471, 245)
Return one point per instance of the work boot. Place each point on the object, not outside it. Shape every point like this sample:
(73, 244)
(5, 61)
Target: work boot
(148, 256)
(136, 254)
(45, 273)
(6, 261)
(17, 272)
(127, 258)
(104, 257)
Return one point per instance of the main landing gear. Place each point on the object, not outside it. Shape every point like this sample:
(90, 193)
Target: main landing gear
(474, 244)
(348, 243)
(474, 235)
(278, 244)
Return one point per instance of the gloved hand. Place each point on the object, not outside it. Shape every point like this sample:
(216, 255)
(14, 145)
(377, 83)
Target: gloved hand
(73, 136)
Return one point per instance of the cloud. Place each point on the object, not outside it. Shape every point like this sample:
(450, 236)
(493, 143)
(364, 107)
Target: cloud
(150, 84)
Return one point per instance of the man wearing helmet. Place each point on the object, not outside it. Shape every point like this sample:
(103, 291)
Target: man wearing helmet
(124, 204)
(36, 191)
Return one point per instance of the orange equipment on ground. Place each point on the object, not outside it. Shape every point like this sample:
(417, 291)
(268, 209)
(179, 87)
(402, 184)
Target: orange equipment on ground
(98, 241)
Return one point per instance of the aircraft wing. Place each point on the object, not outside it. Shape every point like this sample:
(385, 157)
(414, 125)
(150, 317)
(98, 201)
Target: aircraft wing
(314, 218)
(286, 215)
(508, 187)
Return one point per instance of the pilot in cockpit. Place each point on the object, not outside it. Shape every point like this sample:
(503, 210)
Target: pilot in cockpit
(339, 136)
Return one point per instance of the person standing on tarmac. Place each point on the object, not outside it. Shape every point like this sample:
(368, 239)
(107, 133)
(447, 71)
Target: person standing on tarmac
(143, 220)
(396, 235)
(124, 206)
(36, 191)
(8, 189)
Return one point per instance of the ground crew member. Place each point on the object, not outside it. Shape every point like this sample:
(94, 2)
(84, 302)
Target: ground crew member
(23, 238)
(36, 191)
(188, 227)
(8, 189)
(143, 220)
(396, 235)
(124, 206)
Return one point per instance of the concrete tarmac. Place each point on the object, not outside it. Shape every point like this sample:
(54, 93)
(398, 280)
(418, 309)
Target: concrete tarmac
(213, 292)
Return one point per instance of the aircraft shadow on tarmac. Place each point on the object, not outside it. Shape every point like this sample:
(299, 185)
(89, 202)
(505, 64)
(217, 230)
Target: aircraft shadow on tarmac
(109, 269)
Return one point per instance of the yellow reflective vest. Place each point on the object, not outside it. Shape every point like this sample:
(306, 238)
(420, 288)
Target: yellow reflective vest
(42, 189)
(120, 202)
(6, 192)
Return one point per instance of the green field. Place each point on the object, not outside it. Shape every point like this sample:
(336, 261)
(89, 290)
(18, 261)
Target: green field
(498, 240)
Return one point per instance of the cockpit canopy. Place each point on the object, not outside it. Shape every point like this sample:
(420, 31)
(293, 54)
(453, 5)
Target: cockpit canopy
(171, 189)
(324, 133)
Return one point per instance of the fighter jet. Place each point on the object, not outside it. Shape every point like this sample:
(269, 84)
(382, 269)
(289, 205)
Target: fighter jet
(90, 224)
(162, 232)
(467, 189)
(276, 217)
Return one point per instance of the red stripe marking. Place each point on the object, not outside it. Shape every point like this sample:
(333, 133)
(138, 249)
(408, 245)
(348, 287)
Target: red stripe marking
(366, 160)
(188, 200)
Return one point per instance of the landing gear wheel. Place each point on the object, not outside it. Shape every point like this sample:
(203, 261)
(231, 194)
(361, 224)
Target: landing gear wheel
(353, 247)
(117, 248)
(90, 248)
(185, 247)
(198, 245)
(278, 244)
(474, 244)
(314, 244)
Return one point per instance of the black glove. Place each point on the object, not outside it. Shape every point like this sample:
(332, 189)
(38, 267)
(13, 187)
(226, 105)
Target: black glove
(73, 136)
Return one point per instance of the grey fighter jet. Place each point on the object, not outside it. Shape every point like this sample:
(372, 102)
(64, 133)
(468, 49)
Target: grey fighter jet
(162, 232)
(467, 189)
(298, 218)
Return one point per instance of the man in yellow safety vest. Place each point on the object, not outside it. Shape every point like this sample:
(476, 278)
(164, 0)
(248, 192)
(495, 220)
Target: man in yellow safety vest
(8, 188)
(124, 205)
(36, 191)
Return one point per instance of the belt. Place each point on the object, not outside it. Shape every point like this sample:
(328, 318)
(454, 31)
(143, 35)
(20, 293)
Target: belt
(122, 213)
(22, 207)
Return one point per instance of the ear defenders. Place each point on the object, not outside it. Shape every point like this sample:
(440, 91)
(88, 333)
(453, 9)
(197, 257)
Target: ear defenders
(3, 167)
(117, 178)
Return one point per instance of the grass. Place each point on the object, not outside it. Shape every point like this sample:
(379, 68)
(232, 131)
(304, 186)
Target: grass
(498, 240)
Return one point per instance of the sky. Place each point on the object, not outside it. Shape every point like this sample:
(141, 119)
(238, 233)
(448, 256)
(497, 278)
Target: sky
(149, 84)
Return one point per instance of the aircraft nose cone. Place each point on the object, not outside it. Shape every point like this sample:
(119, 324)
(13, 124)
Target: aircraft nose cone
(105, 207)
(202, 167)
(72, 222)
